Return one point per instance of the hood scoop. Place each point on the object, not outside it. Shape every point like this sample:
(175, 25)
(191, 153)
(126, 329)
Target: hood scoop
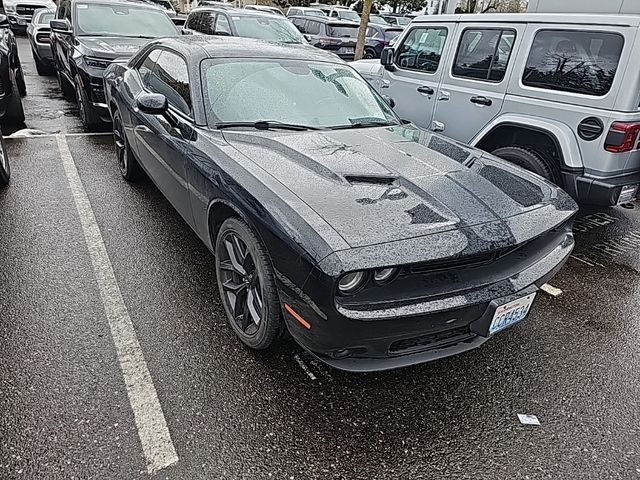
(370, 179)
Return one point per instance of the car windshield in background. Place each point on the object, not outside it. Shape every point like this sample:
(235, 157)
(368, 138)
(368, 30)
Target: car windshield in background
(292, 92)
(123, 20)
(315, 13)
(403, 21)
(349, 15)
(391, 34)
(578, 62)
(377, 19)
(45, 18)
(267, 27)
(338, 31)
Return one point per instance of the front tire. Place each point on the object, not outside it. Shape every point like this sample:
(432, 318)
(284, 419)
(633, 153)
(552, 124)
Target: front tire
(22, 86)
(247, 285)
(127, 163)
(65, 87)
(41, 68)
(5, 169)
(369, 53)
(531, 160)
(90, 120)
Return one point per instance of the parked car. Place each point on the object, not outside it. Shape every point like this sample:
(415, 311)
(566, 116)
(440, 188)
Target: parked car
(328, 34)
(375, 244)
(241, 23)
(379, 37)
(326, 9)
(39, 33)
(167, 6)
(395, 19)
(305, 11)
(377, 19)
(87, 35)
(343, 13)
(12, 85)
(551, 93)
(20, 12)
(264, 8)
(213, 3)
(5, 168)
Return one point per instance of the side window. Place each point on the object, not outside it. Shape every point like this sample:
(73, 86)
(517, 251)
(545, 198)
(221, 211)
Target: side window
(222, 25)
(293, 11)
(371, 32)
(422, 49)
(333, 13)
(483, 54)
(147, 66)
(171, 79)
(207, 23)
(313, 28)
(299, 23)
(193, 21)
(571, 61)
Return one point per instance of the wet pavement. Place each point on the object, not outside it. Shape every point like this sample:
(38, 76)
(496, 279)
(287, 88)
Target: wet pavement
(236, 414)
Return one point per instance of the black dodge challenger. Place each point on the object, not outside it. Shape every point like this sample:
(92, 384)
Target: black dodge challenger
(374, 243)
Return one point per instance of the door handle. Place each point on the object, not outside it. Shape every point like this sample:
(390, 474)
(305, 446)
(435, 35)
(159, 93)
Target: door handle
(481, 101)
(426, 90)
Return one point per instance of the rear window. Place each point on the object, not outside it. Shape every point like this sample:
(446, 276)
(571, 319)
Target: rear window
(570, 61)
(342, 32)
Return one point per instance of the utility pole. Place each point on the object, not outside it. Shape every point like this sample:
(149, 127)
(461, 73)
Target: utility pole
(362, 32)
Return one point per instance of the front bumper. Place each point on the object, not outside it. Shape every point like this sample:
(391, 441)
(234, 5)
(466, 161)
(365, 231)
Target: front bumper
(603, 191)
(449, 324)
(18, 22)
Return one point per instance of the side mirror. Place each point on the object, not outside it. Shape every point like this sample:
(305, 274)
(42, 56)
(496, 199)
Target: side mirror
(60, 26)
(152, 103)
(390, 101)
(387, 56)
(4, 21)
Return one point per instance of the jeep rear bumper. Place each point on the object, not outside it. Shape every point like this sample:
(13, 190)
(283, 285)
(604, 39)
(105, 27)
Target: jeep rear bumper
(605, 191)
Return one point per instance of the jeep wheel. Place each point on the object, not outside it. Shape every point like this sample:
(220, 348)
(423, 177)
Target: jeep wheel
(531, 160)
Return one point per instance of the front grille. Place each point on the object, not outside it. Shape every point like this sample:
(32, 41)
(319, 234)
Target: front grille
(432, 340)
(469, 261)
(27, 10)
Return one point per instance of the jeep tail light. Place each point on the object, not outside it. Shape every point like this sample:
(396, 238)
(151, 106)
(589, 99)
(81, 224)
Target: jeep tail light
(622, 137)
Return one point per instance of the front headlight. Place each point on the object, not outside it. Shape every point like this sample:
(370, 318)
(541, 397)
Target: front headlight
(351, 282)
(385, 275)
(9, 8)
(97, 62)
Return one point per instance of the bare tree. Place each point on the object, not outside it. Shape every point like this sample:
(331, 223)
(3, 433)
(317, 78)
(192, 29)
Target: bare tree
(362, 32)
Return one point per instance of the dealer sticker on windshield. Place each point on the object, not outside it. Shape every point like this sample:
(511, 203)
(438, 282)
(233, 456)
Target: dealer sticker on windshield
(511, 313)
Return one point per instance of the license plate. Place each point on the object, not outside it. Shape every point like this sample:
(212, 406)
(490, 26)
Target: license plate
(347, 50)
(511, 313)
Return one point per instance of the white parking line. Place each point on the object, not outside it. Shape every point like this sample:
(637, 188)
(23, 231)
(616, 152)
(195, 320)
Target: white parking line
(147, 412)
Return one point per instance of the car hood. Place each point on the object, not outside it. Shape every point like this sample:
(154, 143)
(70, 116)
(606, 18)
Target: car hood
(111, 47)
(379, 185)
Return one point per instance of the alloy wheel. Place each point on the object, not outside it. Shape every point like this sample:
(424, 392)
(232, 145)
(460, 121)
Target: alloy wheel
(241, 284)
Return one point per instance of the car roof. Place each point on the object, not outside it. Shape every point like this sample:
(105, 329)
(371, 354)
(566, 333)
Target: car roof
(558, 18)
(236, 12)
(308, 8)
(140, 3)
(199, 47)
(332, 20)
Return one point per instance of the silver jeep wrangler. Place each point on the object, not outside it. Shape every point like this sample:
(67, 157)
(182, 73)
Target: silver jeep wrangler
(558, 94)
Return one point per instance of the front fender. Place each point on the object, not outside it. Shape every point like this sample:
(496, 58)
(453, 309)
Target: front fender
(564, 135)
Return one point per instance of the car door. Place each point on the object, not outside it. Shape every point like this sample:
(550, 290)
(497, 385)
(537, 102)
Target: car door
(62, 42)
(413, 79)
(162, 140)
(312, 32)
(472, 90)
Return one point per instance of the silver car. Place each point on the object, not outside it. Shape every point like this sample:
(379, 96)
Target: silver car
(38, 32)
(555, 93)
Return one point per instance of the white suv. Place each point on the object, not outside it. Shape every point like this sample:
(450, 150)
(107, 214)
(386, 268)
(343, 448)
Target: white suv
(556, 93)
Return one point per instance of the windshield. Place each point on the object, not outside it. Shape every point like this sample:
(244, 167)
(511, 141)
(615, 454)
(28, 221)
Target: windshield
(320, 95)
(312, 12)
(45, 18)
(391, 34)
(126, 20)
(348, 15)
(403, 21)
(377, 19)
(342, 32)
(267, 27)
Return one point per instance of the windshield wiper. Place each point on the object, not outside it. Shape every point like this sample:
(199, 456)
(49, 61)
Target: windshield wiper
(265, 125)
(357, 123)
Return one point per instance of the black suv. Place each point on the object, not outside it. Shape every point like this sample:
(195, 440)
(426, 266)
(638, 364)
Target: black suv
(336, 36)
(241, 23)
(12, 86)
(87, 35)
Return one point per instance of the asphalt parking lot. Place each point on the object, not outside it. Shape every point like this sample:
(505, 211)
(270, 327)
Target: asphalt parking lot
(66, 408)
